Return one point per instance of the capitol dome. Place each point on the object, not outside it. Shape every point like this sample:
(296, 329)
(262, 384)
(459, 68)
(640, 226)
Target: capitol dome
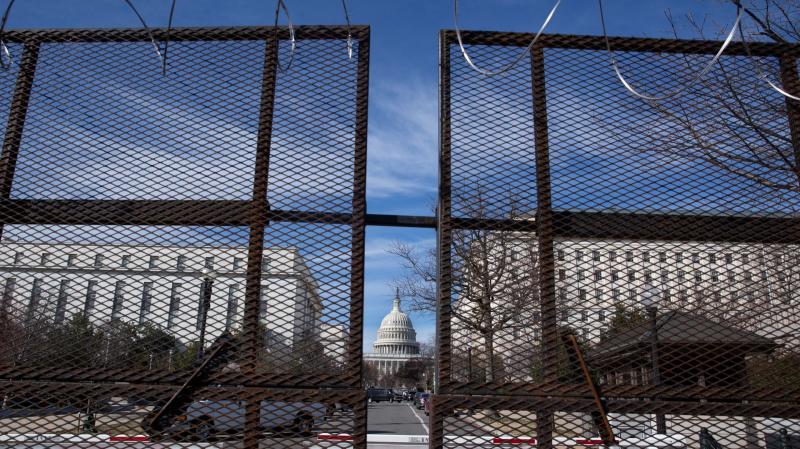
(396, 334)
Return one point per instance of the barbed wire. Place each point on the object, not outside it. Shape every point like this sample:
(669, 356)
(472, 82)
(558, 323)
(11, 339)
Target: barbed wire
(683, 88)
(6, 61)
(278, 6)
(516, 60)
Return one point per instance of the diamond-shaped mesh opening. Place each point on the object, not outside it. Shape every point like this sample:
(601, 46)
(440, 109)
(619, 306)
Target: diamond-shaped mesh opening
(147, 292)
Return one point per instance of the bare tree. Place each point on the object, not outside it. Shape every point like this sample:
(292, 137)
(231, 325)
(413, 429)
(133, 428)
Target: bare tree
(495, 299)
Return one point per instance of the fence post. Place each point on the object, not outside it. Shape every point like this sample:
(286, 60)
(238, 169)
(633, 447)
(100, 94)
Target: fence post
(259, 209)
(544, 226)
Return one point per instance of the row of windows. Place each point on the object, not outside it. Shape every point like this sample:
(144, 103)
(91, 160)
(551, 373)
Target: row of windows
(682, 295)
(681, 275)
(647, 256)
(153, 262)
(120, 291)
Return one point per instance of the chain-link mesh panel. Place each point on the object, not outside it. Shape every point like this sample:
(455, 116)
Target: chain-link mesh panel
(182, 256)
(613, 257)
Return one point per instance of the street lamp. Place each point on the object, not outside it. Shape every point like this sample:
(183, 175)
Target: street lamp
(650, 297)
(208, 276)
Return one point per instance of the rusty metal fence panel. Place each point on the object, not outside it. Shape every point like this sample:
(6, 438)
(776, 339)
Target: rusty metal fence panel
(182, 255)
(661, 236)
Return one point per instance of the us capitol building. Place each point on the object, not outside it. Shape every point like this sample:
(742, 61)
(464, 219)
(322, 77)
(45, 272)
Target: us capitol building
(396, 343)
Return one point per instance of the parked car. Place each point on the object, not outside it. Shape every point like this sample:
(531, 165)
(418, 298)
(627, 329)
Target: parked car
(207, 419)
(380, 395)
(420, 399)
(397, 395)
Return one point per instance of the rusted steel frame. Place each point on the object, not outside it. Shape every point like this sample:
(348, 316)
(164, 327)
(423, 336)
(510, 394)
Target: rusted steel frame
(674, 227)
(671, 392)
(255, 247)
(210, 392)
(545, 236)
(439, 411)
(448, 403)
(636, 44)
(310, 32)
(17, 115)
(358, 226)
(444, 241)
(136, 375)
(791, 83)
(567, 224)
(606, 432)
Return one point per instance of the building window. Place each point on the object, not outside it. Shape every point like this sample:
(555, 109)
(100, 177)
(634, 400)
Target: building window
(632, 295)
(596, 256)
(648, 276)
(209, 262)
(237, 263)
(230, 315)
(584, 316)
(71, 259)
(561, 255)
(598, 275)
(8, 295)
(717, 296)
(174, 303)
(579, 256)
(601, 315)
(536, 317)
(152, 264)
(98, 261)
(144, 308)
(180, 264)
(36, 296)
(581, 274)
(681, 276)
(631, 275)
(562, 296)
(695, 257)
(562, 275)
(764, 275)
(745, 258)
(748, 276)
(662, 256)
(629, 256)
(646, 256)
(728, 258)
(119, 298)
(61, 301)
(126, 261)
(564, 315)
(598, 294)
(91, 294)
(734, 296)
(45, 259)
(664, 277)
(683, 296)
(582, 295)
(679, 257)
(612, 256)
(698, 277)
(714, 276)
(615, 294)
(614, 275)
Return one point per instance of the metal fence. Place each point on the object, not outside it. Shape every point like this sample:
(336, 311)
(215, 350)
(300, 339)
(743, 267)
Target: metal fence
(182, 255)
(612, 269)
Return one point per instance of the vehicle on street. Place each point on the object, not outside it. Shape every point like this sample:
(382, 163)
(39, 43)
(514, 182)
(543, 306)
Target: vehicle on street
(420, 399)
(397, 395)
(380, 395)
(206, 419)
(409, 395)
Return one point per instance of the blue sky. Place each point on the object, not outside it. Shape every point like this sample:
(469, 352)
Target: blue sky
(403, 93)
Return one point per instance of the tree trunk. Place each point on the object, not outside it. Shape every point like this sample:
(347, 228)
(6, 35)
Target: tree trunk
(488, 339)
